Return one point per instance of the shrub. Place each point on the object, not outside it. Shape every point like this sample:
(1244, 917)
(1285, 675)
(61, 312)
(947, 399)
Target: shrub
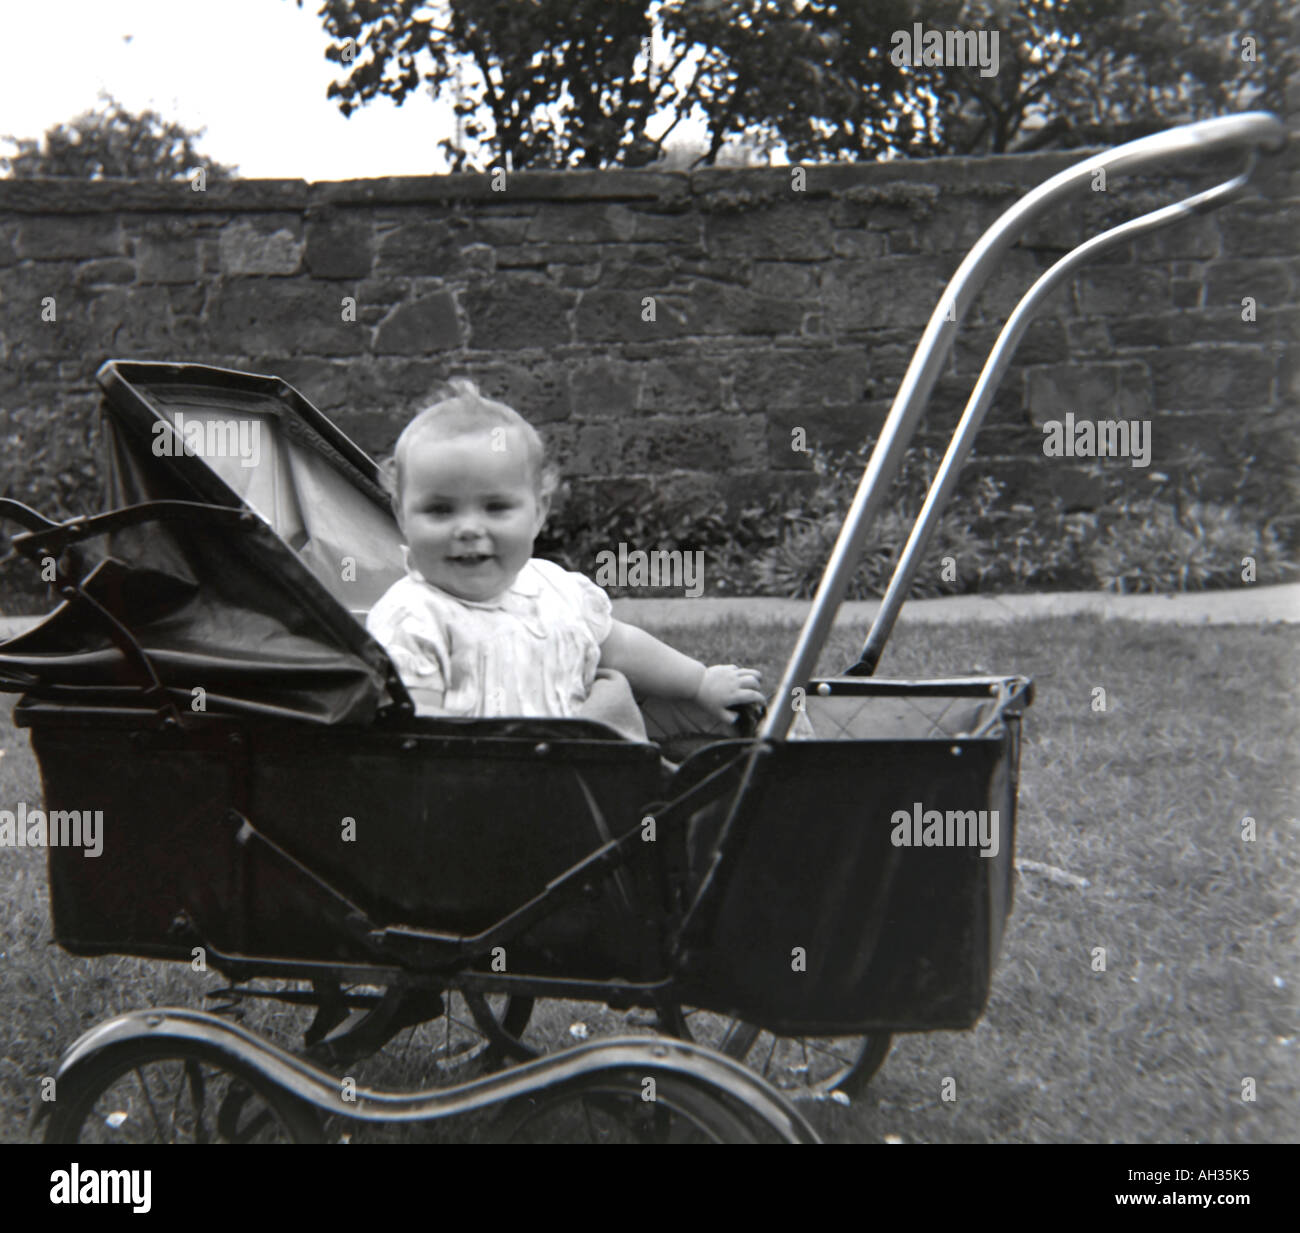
(1154, 546)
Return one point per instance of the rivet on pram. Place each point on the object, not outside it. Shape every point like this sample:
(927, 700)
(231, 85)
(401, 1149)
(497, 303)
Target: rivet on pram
(824, 690)
(541, 749)
(408, 744)
(955, 750)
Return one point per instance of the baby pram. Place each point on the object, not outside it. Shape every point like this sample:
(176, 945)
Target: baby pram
(271, 802)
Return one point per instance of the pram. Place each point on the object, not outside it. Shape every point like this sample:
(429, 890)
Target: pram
(271, 802)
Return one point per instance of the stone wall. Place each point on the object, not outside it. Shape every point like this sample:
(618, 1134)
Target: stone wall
(774, 309)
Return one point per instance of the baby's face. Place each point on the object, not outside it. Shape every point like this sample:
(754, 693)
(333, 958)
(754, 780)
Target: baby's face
(470, 512)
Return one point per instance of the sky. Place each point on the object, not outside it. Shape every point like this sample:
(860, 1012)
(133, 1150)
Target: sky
(252, 72)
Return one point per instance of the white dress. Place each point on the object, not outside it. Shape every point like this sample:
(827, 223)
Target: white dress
(532, 650)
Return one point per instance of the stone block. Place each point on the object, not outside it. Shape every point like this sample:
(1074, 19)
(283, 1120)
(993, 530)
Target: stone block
(604, 388)
(518, 311)
(1090, 391)
(428, 324)
(539, 391)
(106, 271)
(1260, 229)
(1192, 239)
(167, 259)
(1288, 376)
(858, 245)
(621, 316)
(1186, 292)
(956, 224)
(1220, 378)
(580, 276)
(690, 382)
(1044, 342)
(824, 430)
(1270, 282)
(422, 247)
(1120, 291)
(785, 279)
(1014, 275)
(894, 291)
(8, 256)
(490, 226)
(718, 270)
(788, 231)
(706, 442)
(257, 316)
(713, 308)
(339, 245)
(261, 245)
(681, 229)
(645, 269)
(581, 223)
(59, 237)
(808, 377)
(1088, 336)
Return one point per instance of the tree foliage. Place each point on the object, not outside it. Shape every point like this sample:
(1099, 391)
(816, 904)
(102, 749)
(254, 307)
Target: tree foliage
(112, 143)
(594, 83)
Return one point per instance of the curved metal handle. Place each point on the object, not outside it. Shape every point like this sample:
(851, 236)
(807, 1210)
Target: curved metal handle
(1252, 130)
(963, 440)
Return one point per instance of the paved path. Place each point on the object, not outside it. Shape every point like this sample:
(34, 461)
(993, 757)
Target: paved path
(1245, 606)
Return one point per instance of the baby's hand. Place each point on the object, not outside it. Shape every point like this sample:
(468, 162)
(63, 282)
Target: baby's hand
(724, 686)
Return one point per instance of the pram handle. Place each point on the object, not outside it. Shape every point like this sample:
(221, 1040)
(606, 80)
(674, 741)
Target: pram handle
(1251, 130)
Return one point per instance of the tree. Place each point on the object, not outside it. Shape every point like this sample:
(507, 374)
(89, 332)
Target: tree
(594, 83)
(112, 143)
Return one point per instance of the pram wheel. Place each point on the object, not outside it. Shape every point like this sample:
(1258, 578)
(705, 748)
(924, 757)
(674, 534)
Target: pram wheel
(174, 1091)
(812, 1066)
(613, 1107)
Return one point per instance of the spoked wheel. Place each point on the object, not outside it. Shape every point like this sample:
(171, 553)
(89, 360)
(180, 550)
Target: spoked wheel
(175, 1091)
(801, 1066)
(612, 1107)
(481, 1030)
(426, 1035)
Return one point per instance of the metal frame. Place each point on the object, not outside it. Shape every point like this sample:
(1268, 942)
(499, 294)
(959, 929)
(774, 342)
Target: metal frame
(1252, 131)
(710, 1071)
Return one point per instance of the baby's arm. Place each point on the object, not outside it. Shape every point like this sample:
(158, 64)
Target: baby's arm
(653, 667)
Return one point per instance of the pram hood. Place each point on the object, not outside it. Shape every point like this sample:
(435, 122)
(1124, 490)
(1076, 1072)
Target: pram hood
(263, 614)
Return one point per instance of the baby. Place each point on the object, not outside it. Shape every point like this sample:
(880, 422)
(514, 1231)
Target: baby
(478, 626)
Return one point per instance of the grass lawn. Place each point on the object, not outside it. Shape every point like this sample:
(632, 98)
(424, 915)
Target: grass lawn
(1144, 800)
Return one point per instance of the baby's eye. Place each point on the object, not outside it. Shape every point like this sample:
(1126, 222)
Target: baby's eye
(438, 509)
(500, 507)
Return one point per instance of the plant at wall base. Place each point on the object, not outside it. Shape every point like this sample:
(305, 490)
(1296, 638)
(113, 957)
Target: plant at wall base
(793, 565)
(1156, 547)
(1178, 540)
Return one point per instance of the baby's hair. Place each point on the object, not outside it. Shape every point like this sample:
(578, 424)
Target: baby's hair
(460, 410)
